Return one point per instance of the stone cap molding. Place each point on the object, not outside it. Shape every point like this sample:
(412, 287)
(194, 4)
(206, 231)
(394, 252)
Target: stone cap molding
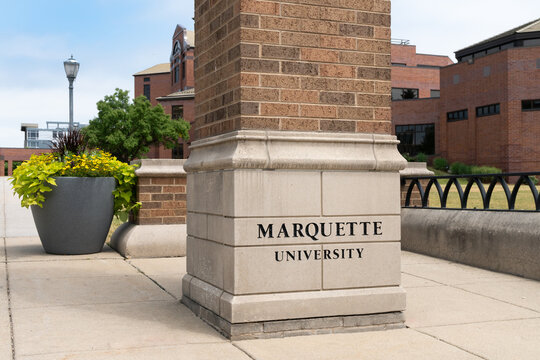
(257, 149)
(416, 169)
(160, 167)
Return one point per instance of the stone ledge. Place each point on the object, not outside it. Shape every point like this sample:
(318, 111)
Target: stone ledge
(160, 167)
(148, 241)
(256, 149)
(297, 327)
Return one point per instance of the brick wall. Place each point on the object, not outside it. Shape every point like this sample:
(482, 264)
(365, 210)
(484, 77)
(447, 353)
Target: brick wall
(417, 111)
(301, 66)
(163, 200)
(160, 85)
(9, 155)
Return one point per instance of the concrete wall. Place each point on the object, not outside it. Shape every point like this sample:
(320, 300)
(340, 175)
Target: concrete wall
(15, 221)
(500, 241)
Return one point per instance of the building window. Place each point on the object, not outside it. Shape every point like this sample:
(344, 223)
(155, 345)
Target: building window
(435, 93)
(428, 66)
(416, 138)
(456, 79)
(399, 64)
(457, 115)
(146, 79)
(176, 75)
(146, 91)
(177, 112)
(178, 151)
(403, 93)
(488, 110)
(183, 69)
(530, 105)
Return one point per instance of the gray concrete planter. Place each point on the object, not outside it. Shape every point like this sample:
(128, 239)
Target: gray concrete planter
(76, 215)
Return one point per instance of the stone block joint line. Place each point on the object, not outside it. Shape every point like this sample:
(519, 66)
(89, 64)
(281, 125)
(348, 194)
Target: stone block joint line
(11, 333)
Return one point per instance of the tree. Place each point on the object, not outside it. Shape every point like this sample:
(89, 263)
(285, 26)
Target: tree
(126, 129)
(408, 94)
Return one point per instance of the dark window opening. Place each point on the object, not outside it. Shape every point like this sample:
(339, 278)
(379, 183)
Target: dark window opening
(146, 79)
(416, 138)
(147, 91)
(457, 115)
(399, 64)
(178, 151)
(428, 66)
(183, 69)
(177, 112)
(404, 94)
(488, 110)
(176, 75)
(530, 105)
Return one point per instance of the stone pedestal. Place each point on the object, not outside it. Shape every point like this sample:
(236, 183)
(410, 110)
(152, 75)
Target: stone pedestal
(159, 229)
(297, 227)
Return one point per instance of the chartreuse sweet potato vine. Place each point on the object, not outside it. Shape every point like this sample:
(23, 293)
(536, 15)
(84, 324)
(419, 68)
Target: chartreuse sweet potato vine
(33, 178)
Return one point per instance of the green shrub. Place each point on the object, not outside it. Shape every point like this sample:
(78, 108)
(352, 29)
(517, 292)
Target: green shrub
(440, 163)
(407, 157)
(459, 168)
(534, 180)
(420, 157)
(479, 170)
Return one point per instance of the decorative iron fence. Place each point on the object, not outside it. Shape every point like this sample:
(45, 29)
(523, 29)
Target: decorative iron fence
(528, 179)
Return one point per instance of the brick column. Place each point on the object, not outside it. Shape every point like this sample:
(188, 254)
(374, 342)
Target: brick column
(293, 183)
(159, 229)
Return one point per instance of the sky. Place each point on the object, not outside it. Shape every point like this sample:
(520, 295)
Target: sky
(113, 39)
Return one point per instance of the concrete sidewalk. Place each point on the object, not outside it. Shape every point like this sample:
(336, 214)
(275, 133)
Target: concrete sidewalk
(105, 307)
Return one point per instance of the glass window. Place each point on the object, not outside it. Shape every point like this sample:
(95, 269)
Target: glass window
(435, 93)
(183, 69)
(177, 112)
(530, 105)
(404, 93)
(146, 79)
(176, 75)
(416, 138)
(457, 115)
(488, 110)
(146, 91)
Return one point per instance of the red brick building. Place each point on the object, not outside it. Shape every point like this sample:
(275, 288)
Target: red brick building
(172, 85)
(489, 106)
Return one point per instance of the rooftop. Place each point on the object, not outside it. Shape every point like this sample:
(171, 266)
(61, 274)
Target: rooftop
(156, 69)
(184, 94)
(511, 38)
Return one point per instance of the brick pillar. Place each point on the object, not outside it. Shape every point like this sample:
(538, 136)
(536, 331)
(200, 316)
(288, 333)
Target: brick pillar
(159, 229)
(292, 127)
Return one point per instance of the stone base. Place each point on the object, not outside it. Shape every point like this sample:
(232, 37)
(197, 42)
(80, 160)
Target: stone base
(297, 327)
(147, 241)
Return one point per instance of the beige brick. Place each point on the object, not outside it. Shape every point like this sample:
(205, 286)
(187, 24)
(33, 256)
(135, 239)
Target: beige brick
(317, 83)
(339, 98)
(280, 81)
(340, 71)
(260, 36)
(254, 94)
(318, 111)
(280, 23)
(299, 68)
(300, 96)
(300, 39)
(279, 109)
(259, 7)
(319, 55)
(320, 27)
(267, 123)
(280, 52)
(356, 58)
(356, 85)
(301, 11)
(355, 112)
(338, 126)
(337, 42)
(300, 124)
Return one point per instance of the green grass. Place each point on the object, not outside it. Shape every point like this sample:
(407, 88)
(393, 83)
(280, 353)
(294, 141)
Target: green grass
(524, 199)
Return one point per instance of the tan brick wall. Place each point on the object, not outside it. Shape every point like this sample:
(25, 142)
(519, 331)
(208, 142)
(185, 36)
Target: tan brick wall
(163, 200)
(292, 65)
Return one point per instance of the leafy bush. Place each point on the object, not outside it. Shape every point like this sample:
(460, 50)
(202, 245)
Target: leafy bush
(407, 157)
(479, 170)
(440, 163)
(420, 157)
(534, 179)
(459, 168)
(33, 178)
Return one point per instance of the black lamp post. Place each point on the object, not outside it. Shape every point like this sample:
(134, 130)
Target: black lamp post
(71, 66)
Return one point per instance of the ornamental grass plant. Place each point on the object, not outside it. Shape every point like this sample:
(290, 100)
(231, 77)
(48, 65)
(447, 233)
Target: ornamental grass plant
(35, 177)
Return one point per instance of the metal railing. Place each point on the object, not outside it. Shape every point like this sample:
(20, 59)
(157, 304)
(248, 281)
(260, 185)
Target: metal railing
(486, 196)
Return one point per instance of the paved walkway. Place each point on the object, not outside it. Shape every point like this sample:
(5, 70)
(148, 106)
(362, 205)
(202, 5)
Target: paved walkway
(105, 307)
